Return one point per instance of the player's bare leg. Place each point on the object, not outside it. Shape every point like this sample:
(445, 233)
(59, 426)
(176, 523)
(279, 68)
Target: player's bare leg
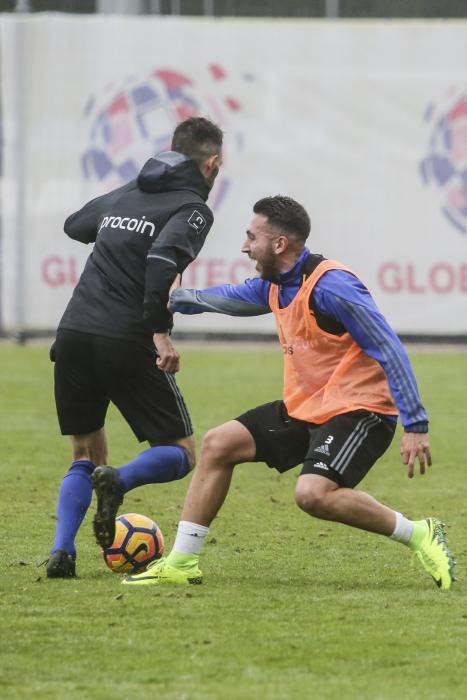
(91, 446)
(223, 448)
(322, 498)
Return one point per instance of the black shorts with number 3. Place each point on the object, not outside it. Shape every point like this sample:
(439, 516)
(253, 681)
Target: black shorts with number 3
(91, 371)
(343, 449)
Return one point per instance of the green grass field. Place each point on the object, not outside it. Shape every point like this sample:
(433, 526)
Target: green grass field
(291, 607)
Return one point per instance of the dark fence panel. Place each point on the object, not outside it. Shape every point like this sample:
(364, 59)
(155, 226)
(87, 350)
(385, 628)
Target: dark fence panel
(260, 8)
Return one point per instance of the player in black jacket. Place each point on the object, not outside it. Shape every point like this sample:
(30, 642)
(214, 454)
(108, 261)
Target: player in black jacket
(113, 342)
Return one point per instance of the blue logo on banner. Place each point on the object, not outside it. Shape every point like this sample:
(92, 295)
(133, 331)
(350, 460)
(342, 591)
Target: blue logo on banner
(133, 121)
(445, 166)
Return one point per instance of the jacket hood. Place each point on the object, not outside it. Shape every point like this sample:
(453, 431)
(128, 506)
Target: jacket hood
(172, 171)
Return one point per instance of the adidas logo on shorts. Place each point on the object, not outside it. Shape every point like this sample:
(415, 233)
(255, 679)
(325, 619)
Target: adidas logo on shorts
(321, 465)
(324, 448)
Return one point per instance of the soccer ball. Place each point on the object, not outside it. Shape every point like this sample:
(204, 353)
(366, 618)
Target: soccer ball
(138, 541)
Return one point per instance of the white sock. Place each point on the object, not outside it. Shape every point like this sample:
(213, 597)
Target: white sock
(190, 537)
(403, 530)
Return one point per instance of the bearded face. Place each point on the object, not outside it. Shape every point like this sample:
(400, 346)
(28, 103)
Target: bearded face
(260, 247)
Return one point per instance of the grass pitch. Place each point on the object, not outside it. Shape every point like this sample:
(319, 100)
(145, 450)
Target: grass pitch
(291, 607)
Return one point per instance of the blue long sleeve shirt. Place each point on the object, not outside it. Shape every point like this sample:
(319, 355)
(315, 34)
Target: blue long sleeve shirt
(338, 295)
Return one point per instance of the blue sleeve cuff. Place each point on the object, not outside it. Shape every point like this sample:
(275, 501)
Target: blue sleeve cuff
(420, 427)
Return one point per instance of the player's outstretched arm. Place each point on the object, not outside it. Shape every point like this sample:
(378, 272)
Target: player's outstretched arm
(247, 299)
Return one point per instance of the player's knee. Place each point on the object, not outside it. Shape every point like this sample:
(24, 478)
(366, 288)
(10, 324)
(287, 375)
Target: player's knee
(312, 501)
(215, 449)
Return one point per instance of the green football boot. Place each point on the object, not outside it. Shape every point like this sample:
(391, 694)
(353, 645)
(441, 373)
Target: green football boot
(160, 573)
(434, 555)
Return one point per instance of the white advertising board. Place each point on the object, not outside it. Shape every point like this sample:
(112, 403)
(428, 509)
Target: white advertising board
(365, 123)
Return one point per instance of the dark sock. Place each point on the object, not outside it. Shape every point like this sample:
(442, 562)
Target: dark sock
(156, 465)
(74, 498)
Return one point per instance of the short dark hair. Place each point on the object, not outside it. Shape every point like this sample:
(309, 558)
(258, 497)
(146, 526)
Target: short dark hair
(197, 138)
(286, 214)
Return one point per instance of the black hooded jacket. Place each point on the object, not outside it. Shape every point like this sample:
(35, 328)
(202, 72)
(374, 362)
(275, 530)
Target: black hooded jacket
(144, 233)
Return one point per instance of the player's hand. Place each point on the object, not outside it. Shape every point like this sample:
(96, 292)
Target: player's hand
(169, 359)
(415, 446)
(175, 285)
